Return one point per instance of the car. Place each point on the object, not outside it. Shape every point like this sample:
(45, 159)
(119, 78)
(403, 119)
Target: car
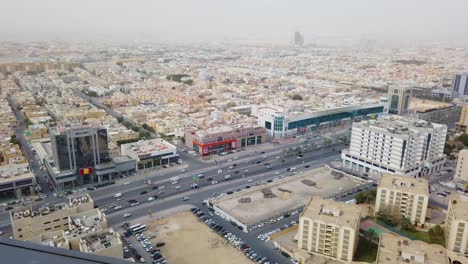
(214, 182)
(118, 207)
(143, 192)
(134, 204)
(127, 215)
(249, 180)
(161, 187)
(185, 198)
(155, 187)
(160, 244)
(151, 199)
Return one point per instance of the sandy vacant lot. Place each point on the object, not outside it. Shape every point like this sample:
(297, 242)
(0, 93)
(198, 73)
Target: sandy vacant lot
(190, 241)
(289, 193)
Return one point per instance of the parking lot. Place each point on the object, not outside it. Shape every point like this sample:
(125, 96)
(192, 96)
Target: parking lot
(188, 240)
(286, 194)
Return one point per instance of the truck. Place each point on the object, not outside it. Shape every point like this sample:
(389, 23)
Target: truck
(227, 177)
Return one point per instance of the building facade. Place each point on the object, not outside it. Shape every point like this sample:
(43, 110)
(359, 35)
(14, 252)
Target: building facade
(462, 124)
(460, 85)
(329, 228)
(400, 98)
(279, 124)
(456, 227)
(81, 157)
(396, 145)
(224, 138)
(405, 195)
(461, 172)
(444, 115)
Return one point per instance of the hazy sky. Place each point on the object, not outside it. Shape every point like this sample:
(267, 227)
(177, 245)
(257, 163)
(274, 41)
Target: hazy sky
(223, 20)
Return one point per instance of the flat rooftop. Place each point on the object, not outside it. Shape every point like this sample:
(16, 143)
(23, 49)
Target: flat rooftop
(397, 125)
(332, 212)
(460, 209)
(405, 184)
(395, 249)
(289, 193)
(145, 147)
(15, 172)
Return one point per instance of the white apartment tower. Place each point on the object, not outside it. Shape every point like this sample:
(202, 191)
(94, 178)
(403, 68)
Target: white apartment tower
(329, 228)
(406, 195)
(397, 145)
(456, 227)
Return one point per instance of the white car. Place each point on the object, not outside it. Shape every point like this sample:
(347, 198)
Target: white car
(151, 199)
(249, 180)
(177, 187)
(214, 182)
(127, 215)
(185, 198)
(182, 171)
(220, 171)
(117, 207)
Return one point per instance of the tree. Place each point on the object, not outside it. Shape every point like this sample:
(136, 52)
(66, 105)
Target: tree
(297, 97)
(464, 139)
(135, 128)
(127, 124)
(367, 197)
(371, 235)
(437, 235)
(406, 224)
(120, 119)
(27, 121)
(14, 140)
(389, 215)
(144, 134)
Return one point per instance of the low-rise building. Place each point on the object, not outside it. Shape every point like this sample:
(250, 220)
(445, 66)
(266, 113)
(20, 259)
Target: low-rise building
(395, 249)
(224, 138)
(37, 131)
(330, 229)
(27, 223)
(456, 227)
(403, 195)
(150, 153)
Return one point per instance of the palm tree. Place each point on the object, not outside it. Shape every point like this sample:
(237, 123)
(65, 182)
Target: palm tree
(371, 235)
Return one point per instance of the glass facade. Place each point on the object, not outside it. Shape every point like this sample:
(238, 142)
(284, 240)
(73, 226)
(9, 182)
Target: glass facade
(334, 117)
(394, 102)
(278, 125)
(86, 151)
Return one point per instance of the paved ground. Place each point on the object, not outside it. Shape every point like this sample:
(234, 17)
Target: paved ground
(190, 241)
(290, 193)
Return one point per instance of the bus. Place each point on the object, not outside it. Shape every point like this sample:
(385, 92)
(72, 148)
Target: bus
(139, 229)
(135, 226)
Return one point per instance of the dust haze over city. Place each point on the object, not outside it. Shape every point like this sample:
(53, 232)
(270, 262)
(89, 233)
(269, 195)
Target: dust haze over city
(233, 132)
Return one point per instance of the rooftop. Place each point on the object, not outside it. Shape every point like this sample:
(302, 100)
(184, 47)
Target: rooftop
(405, 184)
(460, 209)
(105, 239)
(144, 147)
(332, 212)
(397, 250)
(86, 222)
(397, 125)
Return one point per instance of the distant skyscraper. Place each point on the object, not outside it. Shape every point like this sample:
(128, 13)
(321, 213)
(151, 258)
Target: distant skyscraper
(460, 85)
(298, 39)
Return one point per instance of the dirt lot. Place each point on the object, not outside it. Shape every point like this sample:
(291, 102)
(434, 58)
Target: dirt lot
(190, 241)
(288, 193)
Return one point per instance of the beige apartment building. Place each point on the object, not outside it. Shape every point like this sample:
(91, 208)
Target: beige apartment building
(38, 131)
(406, 195)
(461, 173)
(395, 249)
(462, 124)
(329, 229)
(29, 223)
(456, 227)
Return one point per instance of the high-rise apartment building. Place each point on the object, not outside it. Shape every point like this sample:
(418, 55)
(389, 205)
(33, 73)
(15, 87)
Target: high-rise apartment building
(396, 145)
(461, 173)
(329, 228)
(400, 98)
(456, 227)
(460, 85)
(404, 195)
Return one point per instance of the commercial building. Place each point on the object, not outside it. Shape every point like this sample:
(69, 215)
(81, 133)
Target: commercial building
(462, 124)
(395, 249)
(441, 115)
(329, 228)
(280, 124)
(81, 157)
(460, 85)
(16, 180)
(400, 98)
(456, 227)
(150, 153)
(28, 223)
(404, 195)
(224, 138)
(396, 145)
(461, 172)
